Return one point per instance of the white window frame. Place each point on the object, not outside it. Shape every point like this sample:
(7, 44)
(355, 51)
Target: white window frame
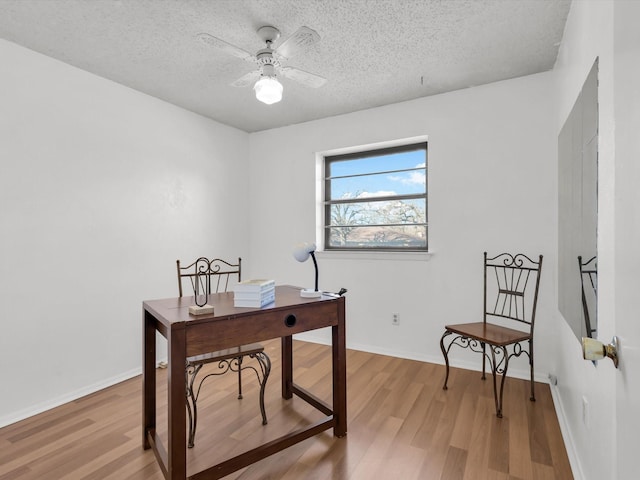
(403, 253)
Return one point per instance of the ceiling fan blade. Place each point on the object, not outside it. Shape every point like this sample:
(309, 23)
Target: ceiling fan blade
(246, 80)
(306, 78)
(226, 47)
(301, 39)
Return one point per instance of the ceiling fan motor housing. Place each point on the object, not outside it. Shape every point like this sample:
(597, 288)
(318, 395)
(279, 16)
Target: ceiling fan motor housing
(267, 62)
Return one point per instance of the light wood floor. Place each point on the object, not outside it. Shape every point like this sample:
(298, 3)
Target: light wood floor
(401, 426)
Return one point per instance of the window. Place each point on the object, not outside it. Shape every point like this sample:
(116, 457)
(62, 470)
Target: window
(376, 200)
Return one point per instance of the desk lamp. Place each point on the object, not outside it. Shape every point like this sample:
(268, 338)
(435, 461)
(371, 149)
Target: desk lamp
(302, 252)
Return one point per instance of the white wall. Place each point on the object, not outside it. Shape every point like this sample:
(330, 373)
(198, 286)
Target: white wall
(491, 170)
(589, 35)
(102, 188)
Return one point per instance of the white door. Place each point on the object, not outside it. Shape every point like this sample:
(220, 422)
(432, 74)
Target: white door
(627, 234)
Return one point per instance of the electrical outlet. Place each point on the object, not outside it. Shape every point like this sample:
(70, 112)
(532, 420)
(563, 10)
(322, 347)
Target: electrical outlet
(395, 319)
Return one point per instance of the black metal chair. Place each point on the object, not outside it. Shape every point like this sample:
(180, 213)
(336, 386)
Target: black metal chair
(212, 276)
(511, 284)
(588, 278)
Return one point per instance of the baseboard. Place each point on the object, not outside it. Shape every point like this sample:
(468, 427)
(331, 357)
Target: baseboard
(569, 444)
(66, 398)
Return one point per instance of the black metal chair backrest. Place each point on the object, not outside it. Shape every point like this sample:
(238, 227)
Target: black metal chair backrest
(208, 276)
(588, 279)
(511, 284)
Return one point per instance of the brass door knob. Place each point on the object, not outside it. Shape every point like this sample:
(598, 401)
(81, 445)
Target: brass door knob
(593, 349)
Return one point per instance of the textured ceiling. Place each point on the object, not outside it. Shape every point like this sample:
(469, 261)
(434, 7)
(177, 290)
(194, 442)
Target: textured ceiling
(373, 52)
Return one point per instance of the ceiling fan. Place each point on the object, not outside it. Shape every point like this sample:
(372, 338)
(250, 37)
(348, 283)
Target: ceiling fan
(269, 61)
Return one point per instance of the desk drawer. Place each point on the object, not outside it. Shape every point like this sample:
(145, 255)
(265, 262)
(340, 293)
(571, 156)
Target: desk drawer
(260, 325)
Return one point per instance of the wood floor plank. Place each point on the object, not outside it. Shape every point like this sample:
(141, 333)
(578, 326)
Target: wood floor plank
(455, 464)
(538, 441)
(125, 463)
(360, 395)
(560, 459)
(460, 436)
(519, 451)
(408, 395)
(478, 456)
(371, 463)
(403, 462)
(21, 471)
(499, 445)
(401, 425)
(415, 417)
(42, 440)
(434, 445)
(544, 472)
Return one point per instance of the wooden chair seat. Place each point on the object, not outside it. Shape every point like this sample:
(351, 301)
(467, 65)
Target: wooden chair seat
(489, 333)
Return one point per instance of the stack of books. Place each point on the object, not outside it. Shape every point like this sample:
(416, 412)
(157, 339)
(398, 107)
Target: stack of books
(254, 293)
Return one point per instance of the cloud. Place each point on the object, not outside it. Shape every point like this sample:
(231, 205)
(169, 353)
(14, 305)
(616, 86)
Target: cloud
(414, 178)
(379, 193)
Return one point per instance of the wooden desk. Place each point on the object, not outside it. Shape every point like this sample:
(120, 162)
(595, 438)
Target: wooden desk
(229, 327)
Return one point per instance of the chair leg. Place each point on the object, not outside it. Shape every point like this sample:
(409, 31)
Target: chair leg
(484, 360)
(265, 367)
(445, 353)
(494, 370)
(192, 408)
(533, 395)
(239, 360)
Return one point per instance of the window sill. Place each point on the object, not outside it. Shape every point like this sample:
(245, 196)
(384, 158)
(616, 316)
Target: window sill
(355, 255)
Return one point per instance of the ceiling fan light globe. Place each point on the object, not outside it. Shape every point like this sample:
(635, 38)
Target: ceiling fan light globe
(268, 90)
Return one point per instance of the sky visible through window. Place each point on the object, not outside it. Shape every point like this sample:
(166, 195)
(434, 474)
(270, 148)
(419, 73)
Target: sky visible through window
(376, 184)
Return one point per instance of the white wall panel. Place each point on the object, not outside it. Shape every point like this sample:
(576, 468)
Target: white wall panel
(491, 170)
(102, 188)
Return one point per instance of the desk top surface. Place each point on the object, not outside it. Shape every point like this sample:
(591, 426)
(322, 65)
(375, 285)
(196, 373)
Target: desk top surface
(176, 310)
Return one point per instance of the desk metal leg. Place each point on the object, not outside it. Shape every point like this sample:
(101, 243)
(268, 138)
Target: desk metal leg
(148, 377)
(287, 367)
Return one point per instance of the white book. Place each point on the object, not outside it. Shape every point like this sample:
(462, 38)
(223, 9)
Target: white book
(256, 302)
(242, 295)
(256, 285)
